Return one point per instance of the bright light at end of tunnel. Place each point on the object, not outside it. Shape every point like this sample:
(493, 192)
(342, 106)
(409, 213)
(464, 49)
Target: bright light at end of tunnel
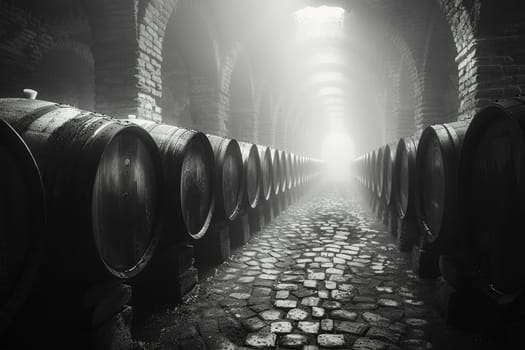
(337, 152)
(322, 21)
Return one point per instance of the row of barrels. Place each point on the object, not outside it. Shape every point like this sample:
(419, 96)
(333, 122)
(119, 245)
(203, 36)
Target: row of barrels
(85, 198)
(456, 194)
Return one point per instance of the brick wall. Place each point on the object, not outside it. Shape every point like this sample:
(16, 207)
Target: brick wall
(489, 37)
(52, 55)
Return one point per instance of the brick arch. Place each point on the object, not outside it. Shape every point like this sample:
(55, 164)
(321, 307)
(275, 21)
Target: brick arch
(237, 83)
(463, 17)
(438, 99)
(190, 70)
(65, 73)
(265, 106)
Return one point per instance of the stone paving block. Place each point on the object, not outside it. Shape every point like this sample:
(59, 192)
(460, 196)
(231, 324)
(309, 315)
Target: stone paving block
(282, 294)
(369, 344)
(416, 322)
(253, 324)
(261, 340)
(318, 276)
(343, 315)
(281, 327)
(331, 340)
(309, 327)
(357, 328)
(293, 341)
(286, 304)
(331, 304)
(244, 313)
(271, 315)
(388, 302)
(309, 283)
(323, 294)
(327, 324)
(310, 301)
(383, 334)
(318, 312)
(297, 314)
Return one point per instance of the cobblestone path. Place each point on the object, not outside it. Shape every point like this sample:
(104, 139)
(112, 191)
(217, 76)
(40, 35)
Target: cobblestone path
(324, 274)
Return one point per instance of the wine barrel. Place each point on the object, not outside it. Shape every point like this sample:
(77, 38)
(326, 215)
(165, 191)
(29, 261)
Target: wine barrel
(491, 192)
(378, 176)
(284, 171)
(22, 223)
(103, 181)
(404, 173)
(276, 172)
(372, 176)
(229, 178)
(265, 156)
(387, 173)
(289, 170)
(436, 187)
(295, 171)
(188, 161)
(252, 174)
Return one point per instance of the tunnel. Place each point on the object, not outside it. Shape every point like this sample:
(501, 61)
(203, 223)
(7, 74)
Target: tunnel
(249, 174)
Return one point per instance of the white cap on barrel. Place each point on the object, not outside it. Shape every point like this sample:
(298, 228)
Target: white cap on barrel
(30, 94)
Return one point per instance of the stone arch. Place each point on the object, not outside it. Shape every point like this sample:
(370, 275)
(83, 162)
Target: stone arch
(265, 122)
(405, 108)
(241, 122)
(438, 99)
(190, 70)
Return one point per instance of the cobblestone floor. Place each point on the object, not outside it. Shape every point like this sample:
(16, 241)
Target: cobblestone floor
(324, 274)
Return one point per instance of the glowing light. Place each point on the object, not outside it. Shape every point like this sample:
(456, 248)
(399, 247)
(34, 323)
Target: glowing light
(337, 152)
(323, 21)
(331, 91)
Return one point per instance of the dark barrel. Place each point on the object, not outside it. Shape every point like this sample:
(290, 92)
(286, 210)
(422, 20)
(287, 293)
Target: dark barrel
(491, 197)
(229, 178)
(276, 172)
(372, 174)
(102, 178)
(284, 171)
(252, 174)
(389, 181)
(289, 170)
(404, 173)
(436, 185)
(294, 173)
(265, 157)
(22, 223)
(188, 161)
(378, 176)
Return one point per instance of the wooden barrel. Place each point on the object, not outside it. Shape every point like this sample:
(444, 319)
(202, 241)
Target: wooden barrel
(188, 161)
(372, 176)
(229, 179)
(252, 174)
(103, 181)
(404, 173)
(491, 192)
(22, 223)
(284, 171)
(378, 176)
(436, 187)
(389, 181)
(289, 170)
(276, 172)
(265, 157)
(295, 171)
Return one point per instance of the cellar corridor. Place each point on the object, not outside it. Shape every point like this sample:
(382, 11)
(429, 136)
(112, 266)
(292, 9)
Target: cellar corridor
(325, 273)
(262, 174)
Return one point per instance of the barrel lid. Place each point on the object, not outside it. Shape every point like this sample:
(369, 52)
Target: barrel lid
(490, 197)
(29, 172)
